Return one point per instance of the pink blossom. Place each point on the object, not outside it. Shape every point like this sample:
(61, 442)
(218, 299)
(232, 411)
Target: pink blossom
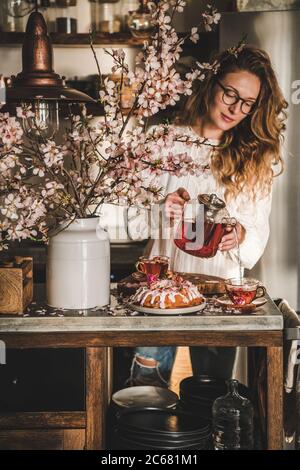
(194, 37)
(38, 172)
(46, 180)
(210, 17)
(24, 112)
(52, 154)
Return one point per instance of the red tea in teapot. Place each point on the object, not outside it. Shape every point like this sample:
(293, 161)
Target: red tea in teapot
(201, 231)
(186, 238)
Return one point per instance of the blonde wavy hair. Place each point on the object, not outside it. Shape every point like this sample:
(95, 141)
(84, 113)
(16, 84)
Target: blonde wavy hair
(247, 155)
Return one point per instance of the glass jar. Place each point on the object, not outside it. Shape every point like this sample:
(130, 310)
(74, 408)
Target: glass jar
(13, 13)
(66, 20)
(50, 16)
(233, 420)
(140, 22)
(94, 5)
(66, 3)
(126, 8)
(109, 18)
(43, 5)
(105, 16)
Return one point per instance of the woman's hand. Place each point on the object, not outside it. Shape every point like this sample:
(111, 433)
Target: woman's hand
(229, 240)
(174, 203)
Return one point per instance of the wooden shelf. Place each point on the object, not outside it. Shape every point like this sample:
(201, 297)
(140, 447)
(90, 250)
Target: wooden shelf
(101, 39)
(81, 39)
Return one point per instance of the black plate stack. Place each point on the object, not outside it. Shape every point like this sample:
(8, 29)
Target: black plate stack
(137, 397)
(159, 428)
(144, 395)
(198, 393)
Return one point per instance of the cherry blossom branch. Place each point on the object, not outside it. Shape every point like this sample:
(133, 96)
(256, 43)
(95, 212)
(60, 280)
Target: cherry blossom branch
(81, 211)
(96, 59)
(36, 152)
(103, 161)
(133, 108)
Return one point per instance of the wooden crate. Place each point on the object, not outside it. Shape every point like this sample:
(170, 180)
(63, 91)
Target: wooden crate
(16, 285)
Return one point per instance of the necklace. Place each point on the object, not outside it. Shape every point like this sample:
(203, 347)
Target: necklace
(213, 141)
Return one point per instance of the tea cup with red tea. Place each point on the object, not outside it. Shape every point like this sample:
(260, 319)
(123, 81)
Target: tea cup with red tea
(155, 267)
(243, 291)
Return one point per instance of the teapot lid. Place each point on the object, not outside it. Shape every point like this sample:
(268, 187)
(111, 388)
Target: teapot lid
(211, 201)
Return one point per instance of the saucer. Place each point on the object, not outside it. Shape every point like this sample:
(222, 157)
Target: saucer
(226, 302)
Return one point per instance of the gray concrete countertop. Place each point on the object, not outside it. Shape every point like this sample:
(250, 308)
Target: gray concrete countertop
(117, 318)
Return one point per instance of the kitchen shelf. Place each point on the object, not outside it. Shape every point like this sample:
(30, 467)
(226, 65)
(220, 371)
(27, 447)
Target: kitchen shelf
(101, 39)
(79, 39)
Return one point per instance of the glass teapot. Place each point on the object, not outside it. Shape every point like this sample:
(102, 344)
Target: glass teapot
(203, 225)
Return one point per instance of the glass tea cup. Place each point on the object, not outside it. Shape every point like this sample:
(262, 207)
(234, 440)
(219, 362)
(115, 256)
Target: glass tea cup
(154, 267)
(243, 291)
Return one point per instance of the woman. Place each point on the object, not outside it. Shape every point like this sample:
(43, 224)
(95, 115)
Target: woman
(241, 111)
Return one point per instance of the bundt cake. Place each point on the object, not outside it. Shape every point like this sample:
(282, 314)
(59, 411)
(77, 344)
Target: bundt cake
(168, 293)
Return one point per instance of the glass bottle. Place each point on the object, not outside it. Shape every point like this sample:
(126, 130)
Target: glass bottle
(232, 420)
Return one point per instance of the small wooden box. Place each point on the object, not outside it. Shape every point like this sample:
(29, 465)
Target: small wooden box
(16, 285)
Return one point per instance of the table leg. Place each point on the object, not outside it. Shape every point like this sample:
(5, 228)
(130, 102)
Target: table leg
(274, 397)
(257, 382)
(96, 397)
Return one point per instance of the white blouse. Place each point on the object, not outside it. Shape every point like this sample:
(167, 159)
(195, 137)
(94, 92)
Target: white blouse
(253, 215)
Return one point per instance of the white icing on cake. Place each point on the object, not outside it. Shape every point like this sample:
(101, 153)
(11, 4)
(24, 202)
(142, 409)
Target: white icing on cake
(167, 288)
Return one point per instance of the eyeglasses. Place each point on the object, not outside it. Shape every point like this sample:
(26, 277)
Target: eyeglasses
(231, 97)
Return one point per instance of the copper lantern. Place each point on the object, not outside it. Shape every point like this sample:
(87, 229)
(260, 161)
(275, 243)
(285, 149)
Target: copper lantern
(38, 84)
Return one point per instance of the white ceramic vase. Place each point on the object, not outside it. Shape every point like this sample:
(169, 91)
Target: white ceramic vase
(78, 266)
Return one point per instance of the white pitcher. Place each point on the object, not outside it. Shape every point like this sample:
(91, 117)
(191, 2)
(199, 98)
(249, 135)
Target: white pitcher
(78, 266)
